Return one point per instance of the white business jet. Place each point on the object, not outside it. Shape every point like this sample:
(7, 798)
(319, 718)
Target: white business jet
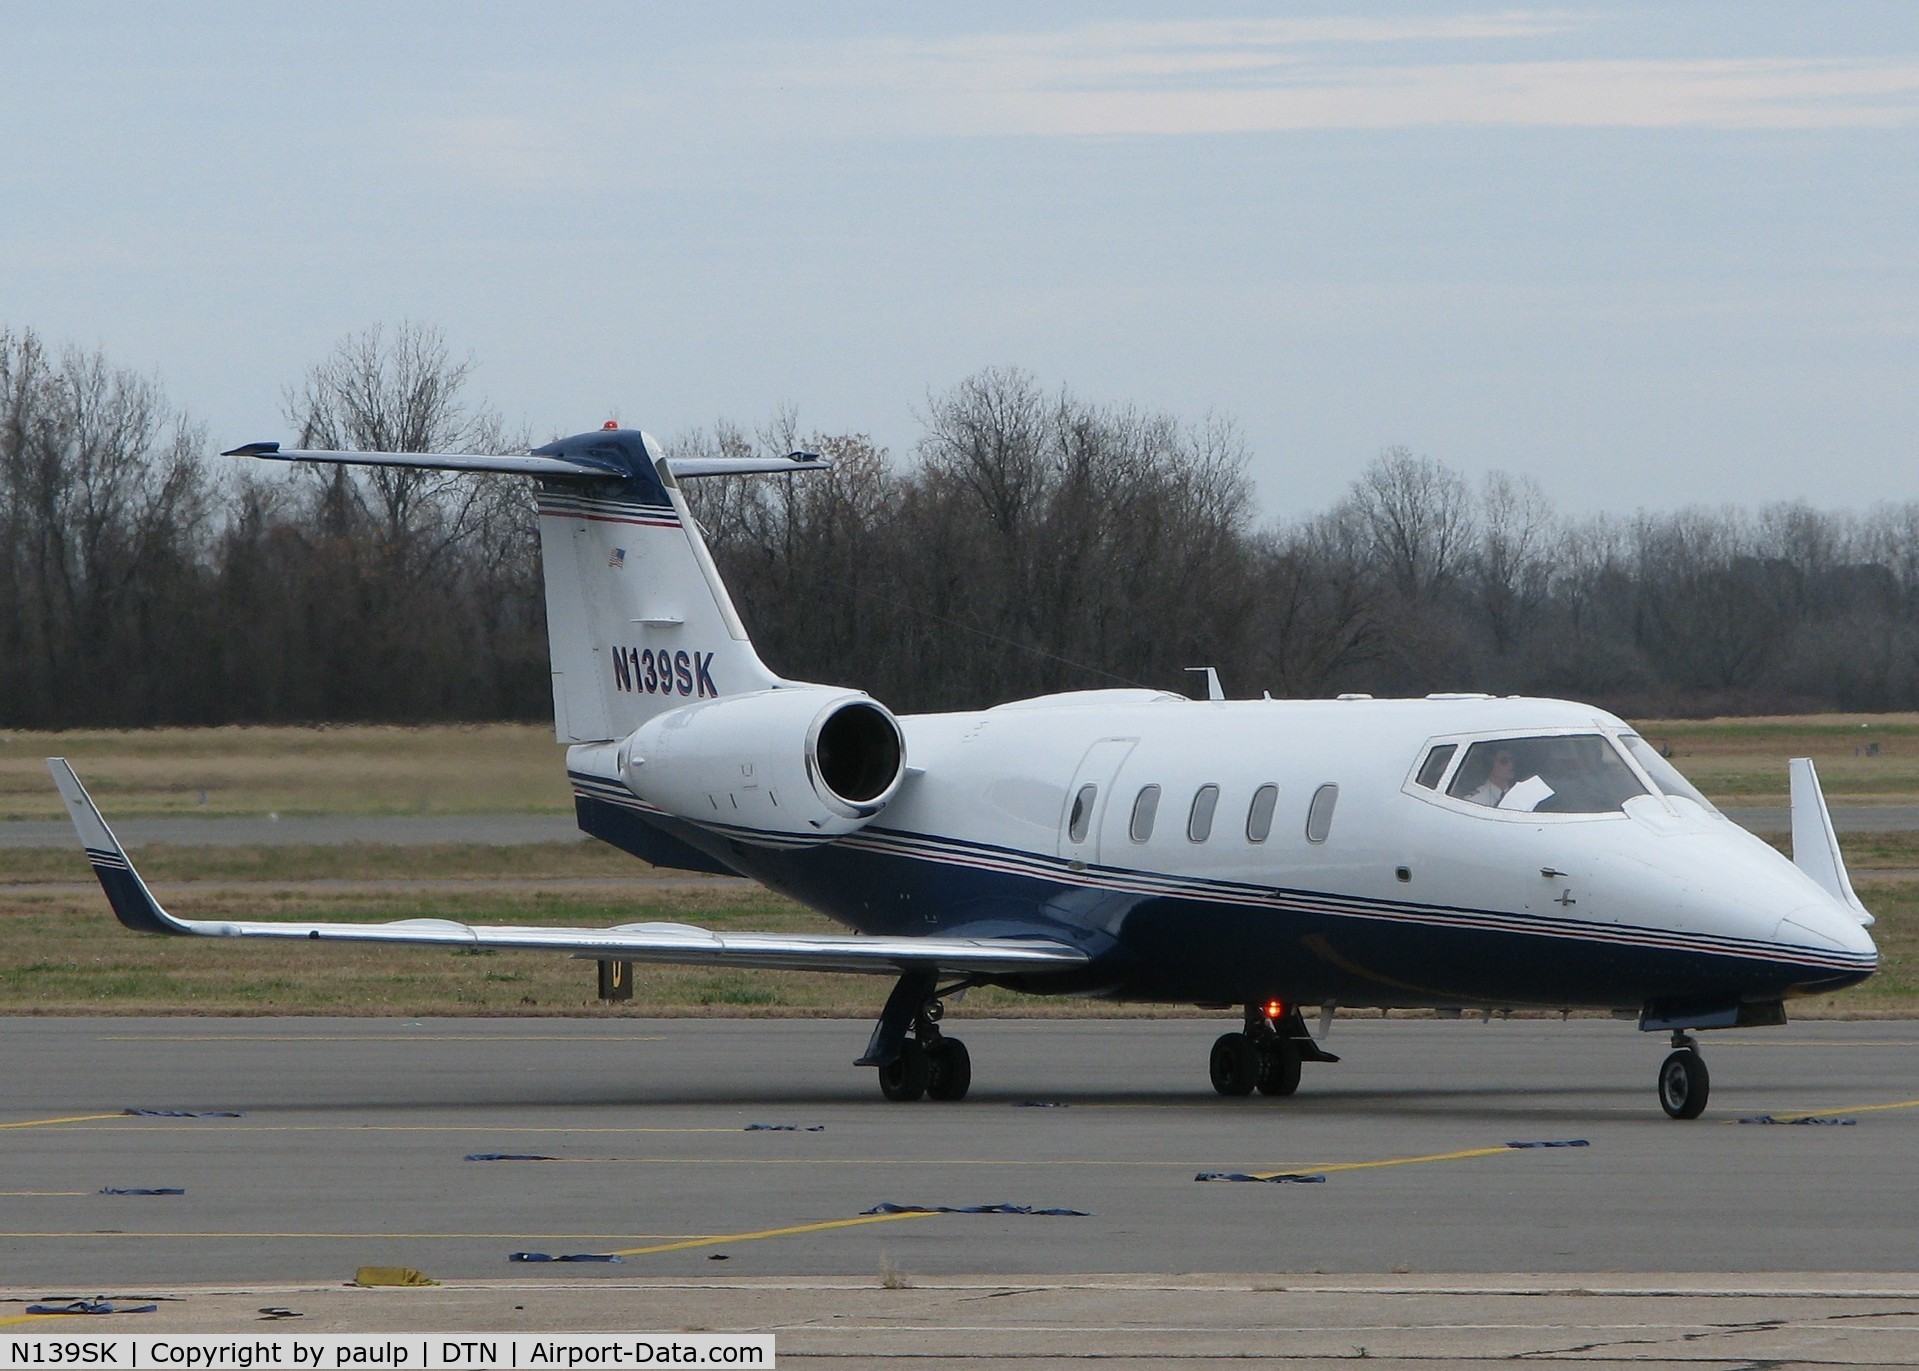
(1277, 857)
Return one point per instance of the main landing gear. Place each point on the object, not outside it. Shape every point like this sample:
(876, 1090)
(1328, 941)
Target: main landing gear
(1267, 1055)
(1684, 1081)
(928, 1063)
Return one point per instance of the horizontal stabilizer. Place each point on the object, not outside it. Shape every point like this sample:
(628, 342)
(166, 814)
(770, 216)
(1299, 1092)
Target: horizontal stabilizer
(683, 944)
(1815, 847)
(683, 467)
(544, 465)
(526, 464)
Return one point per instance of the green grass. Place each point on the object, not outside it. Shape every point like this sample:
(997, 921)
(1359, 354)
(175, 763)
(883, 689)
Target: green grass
(62, 952)
(1743, 761)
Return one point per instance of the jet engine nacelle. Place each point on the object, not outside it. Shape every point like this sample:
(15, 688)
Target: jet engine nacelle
(799, 764)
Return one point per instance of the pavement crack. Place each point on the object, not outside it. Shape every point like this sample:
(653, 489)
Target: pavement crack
(1718, 1330)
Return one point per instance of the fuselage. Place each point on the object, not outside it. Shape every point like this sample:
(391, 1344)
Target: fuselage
(1314, 852)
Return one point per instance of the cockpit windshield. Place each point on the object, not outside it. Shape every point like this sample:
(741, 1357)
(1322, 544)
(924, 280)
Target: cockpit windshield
(1664, 774)
(1577, 773)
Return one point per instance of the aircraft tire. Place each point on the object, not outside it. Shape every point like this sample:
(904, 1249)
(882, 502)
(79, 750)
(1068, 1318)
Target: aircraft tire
(1684, 1084)
(1279, 1067)
(950, 1070)
(903, 1079)
(1235, 1064)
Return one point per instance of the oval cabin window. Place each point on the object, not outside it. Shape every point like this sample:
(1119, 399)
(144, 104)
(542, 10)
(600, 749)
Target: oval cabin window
(1259, 818)
(1199, 824)
(1145, 807)
(1082, 816)
(1319, 817)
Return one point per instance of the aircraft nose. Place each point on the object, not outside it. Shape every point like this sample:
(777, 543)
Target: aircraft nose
(1827, 925)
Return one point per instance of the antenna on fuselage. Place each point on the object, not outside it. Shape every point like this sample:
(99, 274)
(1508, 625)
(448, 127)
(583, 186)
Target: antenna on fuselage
(1213, 691)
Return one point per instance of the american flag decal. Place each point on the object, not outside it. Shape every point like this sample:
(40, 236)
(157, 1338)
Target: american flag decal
(616, 558)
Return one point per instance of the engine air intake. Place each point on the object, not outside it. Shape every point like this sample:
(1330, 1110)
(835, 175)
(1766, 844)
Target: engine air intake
(859, 753)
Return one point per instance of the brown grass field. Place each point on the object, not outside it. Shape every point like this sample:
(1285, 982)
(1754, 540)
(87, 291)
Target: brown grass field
(356, 769)
(517, 768)
(62, 953)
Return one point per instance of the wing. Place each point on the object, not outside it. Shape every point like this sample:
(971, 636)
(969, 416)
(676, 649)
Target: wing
(135, 907)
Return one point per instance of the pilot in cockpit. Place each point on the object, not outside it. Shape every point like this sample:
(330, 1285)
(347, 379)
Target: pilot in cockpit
(1498, 780)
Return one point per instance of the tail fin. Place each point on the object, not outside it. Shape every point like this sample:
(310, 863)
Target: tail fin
(638, 620)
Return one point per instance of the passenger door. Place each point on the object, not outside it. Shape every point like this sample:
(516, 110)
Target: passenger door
(1087, 798)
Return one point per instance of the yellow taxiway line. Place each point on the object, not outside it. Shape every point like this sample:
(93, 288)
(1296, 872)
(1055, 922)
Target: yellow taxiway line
(1319, 1168)
(717, 1239)
(72, 1118)
(1841, 1109)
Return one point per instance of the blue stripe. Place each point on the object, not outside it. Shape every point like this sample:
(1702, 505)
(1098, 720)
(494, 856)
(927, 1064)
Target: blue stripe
(1176, 939)
(985, 857)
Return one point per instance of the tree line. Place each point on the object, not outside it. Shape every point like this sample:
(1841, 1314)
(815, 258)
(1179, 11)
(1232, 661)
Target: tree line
(1033, 541)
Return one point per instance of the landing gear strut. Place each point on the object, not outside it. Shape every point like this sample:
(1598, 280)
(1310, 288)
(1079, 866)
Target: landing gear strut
(1684, 1082)
(1266, 1056)
(928, 1063)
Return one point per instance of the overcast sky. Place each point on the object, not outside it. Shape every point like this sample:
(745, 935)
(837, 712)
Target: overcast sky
(1649, 254)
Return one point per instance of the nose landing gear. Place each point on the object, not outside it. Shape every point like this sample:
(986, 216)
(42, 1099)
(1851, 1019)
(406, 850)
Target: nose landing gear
(1684, 1082)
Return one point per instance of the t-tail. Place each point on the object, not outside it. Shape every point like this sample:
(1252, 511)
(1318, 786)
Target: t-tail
(638, 620)
(645, 642)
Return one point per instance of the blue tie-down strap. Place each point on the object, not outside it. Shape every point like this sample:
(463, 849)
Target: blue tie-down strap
(1042, 1104)
(1277, 1178)
(140, 1190)
(784, 1128)
(508, 1157)
(569, 1257)
(976, 1209)
(1818, 1120)
(185, 1113)
(91, 1307)
(1556, 1142)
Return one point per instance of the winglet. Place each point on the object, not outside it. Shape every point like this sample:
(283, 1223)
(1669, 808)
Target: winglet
(1815, 847)
(132, 902)
(253, 450)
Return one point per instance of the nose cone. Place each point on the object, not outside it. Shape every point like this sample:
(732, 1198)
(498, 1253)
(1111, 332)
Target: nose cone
(1726, 884)
(1827, 926)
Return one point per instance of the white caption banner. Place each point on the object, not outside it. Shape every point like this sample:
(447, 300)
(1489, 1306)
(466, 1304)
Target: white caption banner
(379, 1351)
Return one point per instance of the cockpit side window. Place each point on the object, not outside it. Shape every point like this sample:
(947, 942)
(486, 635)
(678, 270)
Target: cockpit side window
(1435, 765)
(1579, 773)
(1664, 774)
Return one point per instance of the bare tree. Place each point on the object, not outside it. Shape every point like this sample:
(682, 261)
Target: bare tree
(1419, 515)
(400, 391)
(102, 506)
(1510, 569)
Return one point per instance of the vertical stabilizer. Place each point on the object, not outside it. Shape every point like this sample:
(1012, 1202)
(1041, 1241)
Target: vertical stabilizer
(638, 620)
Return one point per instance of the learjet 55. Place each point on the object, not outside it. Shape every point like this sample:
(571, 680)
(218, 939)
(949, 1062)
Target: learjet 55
(1281, 858)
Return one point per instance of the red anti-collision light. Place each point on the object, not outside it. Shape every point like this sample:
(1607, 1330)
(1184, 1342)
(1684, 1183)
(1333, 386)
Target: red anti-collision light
(610, 423)
(1275, 1009)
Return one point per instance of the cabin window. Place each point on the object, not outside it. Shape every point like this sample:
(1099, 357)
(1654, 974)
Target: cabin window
(1435, 765)
(1319, 815)
(1259, 818)
(1145, 807)
(1199, 823)
(1571, 773)
(1082, 815)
